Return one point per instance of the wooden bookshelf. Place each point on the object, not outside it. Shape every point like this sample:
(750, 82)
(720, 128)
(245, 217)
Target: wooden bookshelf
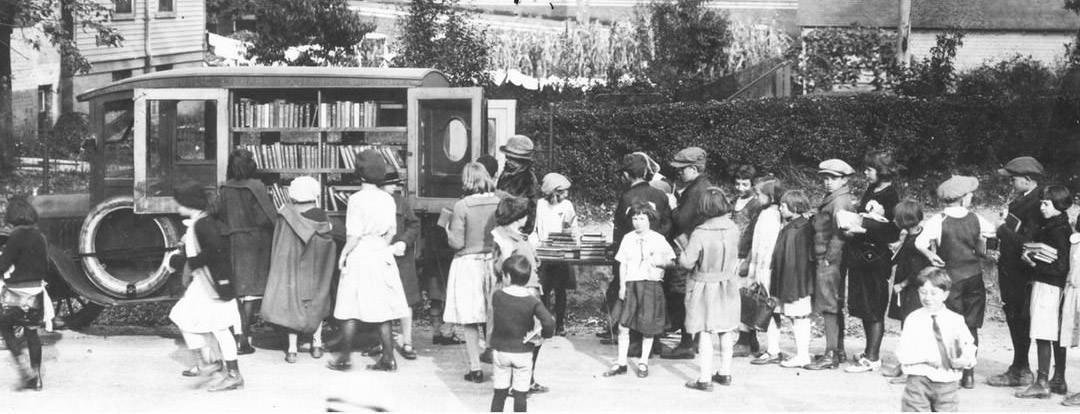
(317, 132)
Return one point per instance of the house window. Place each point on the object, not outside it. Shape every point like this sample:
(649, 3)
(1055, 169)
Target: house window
(121, 74)
(123, 9)
(166, 9)
(44, 106)
(162, 68)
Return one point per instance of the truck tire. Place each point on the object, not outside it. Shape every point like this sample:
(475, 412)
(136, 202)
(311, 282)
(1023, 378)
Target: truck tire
(123, 253)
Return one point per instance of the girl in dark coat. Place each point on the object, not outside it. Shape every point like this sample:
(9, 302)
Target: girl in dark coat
(869, 257)
(303, 262)
(208, 308)
(245, 208)
(26, 251)
(793, 272)
(909, 261)
(404, 245)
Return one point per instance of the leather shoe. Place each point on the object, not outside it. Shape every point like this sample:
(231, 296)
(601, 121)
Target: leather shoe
(245, 349)
(317, 352)
(968, 379)
(290, 357)
(485, 357)
(339, 364)
(475, 376)
(741, 351)
(615, 370)
(721, 379)
(1072, 400)
(699, 385)
(1012, 378)
(383, 365)
(828, 361)
(408, 352)
(1040, 389)
(766, 358)
(679, 353)
(446, 340)
(1058, 386)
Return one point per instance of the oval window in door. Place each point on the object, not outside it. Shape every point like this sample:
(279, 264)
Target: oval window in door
(456, 143)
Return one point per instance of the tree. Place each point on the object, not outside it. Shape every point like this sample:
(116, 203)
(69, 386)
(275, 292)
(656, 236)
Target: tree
(841, 55)
(436, 34)
(48, 17)
(935, 75)
(299, 32)
(689, 43)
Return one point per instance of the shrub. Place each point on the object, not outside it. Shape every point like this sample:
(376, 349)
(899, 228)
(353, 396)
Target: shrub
(932, 136)
(1015, 76)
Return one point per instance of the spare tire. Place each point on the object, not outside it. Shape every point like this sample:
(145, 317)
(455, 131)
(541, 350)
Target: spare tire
(123, 253)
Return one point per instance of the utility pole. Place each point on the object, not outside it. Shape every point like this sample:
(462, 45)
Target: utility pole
(903, 32)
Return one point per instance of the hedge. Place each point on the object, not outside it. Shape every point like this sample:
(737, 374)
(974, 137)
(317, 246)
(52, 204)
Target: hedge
(933, 137)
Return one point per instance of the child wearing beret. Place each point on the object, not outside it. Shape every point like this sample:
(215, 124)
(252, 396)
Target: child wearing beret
(955, 240)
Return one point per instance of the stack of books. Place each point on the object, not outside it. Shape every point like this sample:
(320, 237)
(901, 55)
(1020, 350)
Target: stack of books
(558, 246)
(1041, 252)
(594, 246)
(591, 246)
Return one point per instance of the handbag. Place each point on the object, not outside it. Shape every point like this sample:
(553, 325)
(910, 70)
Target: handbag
(17, 308)
(757, 307)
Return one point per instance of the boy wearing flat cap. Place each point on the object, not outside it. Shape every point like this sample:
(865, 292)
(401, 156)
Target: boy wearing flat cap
(1022, 221)
(956, 241)
(829, 241)
(690, 163)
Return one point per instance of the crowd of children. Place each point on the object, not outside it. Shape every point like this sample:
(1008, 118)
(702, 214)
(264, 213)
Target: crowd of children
(876, 257)
(685, 259)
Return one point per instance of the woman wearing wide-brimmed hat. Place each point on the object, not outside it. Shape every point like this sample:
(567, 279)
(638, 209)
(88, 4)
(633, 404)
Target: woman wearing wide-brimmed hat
(370, 289)
(518, 178)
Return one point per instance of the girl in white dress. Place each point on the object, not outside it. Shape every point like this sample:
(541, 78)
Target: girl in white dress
(370, 289)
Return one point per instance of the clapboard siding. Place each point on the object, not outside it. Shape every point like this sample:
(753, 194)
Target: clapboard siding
(981, 47)
(183, 32)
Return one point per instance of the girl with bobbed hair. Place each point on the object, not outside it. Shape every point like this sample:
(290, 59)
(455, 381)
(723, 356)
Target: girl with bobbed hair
(471, 276)
(244, 206)
(26, 251)
(869, 257)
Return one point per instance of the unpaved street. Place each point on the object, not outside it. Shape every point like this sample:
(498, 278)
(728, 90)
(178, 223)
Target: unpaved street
(140, 372)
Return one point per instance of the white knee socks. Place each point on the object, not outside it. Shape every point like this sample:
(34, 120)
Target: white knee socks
(705, 356)
(646, 348)
(772, 338)
(802, 336)
(624, 345)
(727, 351)
(292, 343)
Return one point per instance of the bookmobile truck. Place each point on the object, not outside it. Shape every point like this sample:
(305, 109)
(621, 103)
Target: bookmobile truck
(107, 247)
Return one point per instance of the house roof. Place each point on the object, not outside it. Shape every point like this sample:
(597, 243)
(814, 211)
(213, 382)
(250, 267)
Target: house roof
(282, 77)
(1011, 15)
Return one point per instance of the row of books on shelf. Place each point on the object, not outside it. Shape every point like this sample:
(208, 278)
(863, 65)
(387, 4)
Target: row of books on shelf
(279, 113)
(275, 114)
(335, 198)
(293, 156)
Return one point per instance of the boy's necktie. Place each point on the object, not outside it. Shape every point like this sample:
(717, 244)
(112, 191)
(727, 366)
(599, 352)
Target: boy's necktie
(945, 363)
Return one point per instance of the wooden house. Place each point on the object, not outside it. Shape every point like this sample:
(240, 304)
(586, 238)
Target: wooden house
(993, 29)
(158, 35)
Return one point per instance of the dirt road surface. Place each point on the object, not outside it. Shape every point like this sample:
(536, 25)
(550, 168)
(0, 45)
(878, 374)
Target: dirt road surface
(100, 372)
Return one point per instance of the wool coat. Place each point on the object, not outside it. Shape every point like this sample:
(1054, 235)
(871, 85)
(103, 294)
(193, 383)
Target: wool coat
(829, 242)
(302, 265)
(408, 230)
(248, 214)
(1013, 273)
(793, 262)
